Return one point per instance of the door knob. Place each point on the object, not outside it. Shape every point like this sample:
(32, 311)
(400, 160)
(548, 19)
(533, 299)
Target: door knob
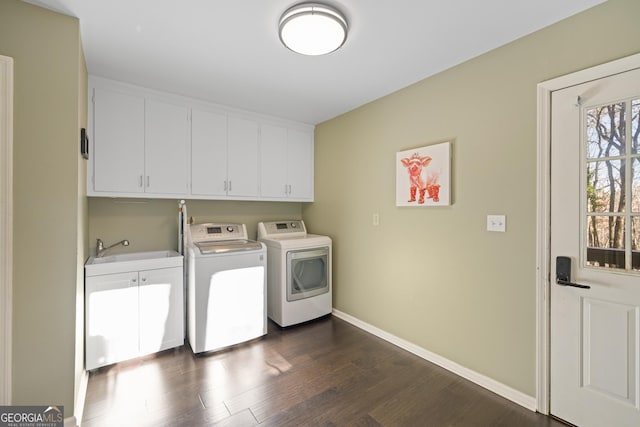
(563, 273)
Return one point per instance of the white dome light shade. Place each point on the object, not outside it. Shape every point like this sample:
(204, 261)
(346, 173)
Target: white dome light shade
(313, 29)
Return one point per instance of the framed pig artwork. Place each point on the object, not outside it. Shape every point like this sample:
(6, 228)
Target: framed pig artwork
(423, 176)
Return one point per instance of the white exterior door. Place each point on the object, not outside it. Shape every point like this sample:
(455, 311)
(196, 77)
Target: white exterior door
(595, 222)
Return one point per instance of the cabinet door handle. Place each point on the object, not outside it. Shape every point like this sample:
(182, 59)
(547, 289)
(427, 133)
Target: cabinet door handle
(140, 182)
(148, 181)
(229, 185)
(286, 189)
(134, 281)
(289, 188)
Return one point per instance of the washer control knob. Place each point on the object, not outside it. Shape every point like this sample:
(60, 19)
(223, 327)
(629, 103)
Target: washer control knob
(293, 225)
(230, 229)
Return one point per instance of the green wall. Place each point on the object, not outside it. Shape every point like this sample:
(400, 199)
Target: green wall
(152, 224)
(49, 218)
(433, 275)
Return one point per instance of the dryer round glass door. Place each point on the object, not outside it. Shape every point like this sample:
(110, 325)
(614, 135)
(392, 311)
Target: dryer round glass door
(307, 273)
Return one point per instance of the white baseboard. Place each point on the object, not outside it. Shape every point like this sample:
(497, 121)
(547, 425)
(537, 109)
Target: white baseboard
(528, 402)
(70, 422)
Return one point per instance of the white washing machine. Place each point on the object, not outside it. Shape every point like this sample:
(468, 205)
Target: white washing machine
(226, 290)
(299, 272)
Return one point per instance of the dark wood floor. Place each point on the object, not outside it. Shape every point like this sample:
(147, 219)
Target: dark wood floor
(323, 373)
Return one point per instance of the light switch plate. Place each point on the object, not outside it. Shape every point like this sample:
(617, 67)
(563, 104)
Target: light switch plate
(497, 223)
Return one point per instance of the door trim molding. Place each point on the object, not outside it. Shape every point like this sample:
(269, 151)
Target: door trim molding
(543, 211)
(6, 225)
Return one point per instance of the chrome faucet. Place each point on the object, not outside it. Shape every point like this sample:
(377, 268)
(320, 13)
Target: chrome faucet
(100, 249)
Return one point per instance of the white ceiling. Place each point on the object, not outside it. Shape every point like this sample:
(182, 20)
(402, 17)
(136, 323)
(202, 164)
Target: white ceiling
(228, 51)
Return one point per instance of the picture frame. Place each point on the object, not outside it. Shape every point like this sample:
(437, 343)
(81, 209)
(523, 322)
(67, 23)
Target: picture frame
(423, 176)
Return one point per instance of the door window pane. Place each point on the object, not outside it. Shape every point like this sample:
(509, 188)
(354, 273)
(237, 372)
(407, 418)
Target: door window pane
(612, 168)
(635, 244)
(605, 246)
(635, 125)
(606, 130)
(635, 185)
(605, 186)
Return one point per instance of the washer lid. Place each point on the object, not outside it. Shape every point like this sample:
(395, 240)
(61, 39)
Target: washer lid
(226, 246)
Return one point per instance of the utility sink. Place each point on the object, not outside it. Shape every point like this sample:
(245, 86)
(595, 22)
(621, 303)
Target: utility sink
(134, 261)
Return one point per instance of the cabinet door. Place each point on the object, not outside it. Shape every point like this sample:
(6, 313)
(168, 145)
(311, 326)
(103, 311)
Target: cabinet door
(273, 161)
(161, 309)
(208, 153)
(242, 157)
(300, 164)
(111, 330)
(166, 148)
(118, 145)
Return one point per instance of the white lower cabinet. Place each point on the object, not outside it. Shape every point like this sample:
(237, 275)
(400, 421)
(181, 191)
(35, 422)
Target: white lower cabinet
(111, 310)
(132, 314)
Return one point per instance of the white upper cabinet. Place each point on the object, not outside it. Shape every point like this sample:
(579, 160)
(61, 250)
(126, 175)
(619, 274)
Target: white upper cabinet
(273, 161)
(208, 153)
(140, 146)
(166, 148)
(242, 157)
(118, 143)
(286, 163)
(224, 156)
(151, 144)
(300, 164)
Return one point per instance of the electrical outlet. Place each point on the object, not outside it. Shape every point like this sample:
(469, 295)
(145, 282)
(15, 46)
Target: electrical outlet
(376, 219)
(497, 223)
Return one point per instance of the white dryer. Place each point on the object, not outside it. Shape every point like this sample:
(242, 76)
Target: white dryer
(298, 273)
(226, 288)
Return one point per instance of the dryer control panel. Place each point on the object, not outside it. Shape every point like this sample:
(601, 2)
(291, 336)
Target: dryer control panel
(288, 228)
(217, 231)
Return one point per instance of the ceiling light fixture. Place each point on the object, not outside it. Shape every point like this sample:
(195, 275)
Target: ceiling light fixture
(313, 29)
